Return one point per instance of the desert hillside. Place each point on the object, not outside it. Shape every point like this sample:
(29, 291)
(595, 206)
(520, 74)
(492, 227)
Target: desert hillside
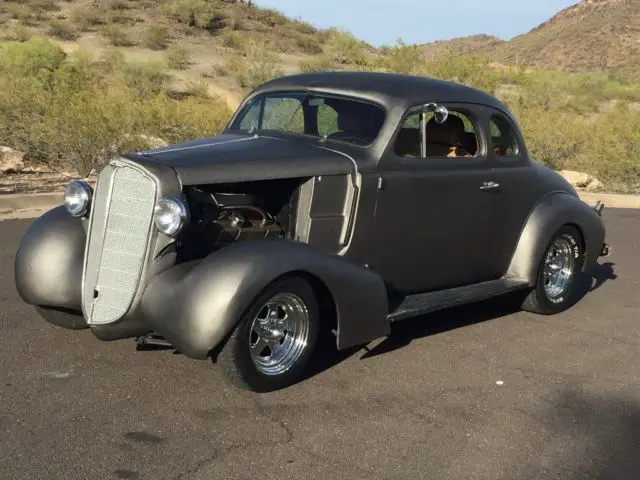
(592, 35)
(82, 79)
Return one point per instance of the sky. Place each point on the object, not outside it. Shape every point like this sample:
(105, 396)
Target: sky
(382, 22)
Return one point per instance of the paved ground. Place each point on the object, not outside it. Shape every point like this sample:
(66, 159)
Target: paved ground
(424, 405)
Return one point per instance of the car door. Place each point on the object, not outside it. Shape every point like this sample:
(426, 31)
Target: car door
(433, 216)
(517, 188)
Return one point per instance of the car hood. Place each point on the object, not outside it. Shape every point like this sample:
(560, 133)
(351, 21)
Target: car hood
(241, 158)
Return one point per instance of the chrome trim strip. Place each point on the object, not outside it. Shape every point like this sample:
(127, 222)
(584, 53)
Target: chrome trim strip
(192, 147)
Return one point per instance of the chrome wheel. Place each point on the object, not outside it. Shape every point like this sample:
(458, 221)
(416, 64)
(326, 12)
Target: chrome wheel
(558, 268)
(279, 334)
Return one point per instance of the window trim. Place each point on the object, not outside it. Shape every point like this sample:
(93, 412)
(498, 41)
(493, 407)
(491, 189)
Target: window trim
(471, 110)
(505, 159)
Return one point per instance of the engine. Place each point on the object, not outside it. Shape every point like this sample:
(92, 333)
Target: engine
(220, 218)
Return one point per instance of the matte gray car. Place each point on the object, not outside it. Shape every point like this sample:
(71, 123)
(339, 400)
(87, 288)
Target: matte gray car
(332, 204)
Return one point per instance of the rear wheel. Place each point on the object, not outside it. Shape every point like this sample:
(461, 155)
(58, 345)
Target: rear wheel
(558, 274)
(274, 340)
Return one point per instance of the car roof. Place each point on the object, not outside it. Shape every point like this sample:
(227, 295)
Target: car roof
(391, 90)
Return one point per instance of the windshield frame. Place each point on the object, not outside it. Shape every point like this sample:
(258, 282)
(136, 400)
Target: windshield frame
(303, 95)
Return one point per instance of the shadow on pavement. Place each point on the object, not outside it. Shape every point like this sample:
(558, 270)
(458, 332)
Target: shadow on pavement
(589, 435)
(403, 333)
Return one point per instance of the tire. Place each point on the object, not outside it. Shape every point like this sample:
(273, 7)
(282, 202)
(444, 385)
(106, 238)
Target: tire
(62, 318)
(555, 293)
(255, 368)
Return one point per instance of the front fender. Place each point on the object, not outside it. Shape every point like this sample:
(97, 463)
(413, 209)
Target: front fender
(548, 216)
(49, 261)
(195, 305)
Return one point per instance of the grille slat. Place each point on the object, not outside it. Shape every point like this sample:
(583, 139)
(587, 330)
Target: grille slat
(117, 249)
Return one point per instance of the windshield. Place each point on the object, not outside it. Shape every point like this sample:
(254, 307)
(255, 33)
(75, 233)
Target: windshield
(336, 118)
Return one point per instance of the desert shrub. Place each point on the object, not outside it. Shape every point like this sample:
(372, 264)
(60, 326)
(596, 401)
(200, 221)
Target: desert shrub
(44, 5)
(22, 13)
(18, 33)
(117, 36)
(62, 30)
(257, 67)
(178, 58)
(74, 112)
(37, 58)
(320, 63)
(85, 18)
(344, 48)
(402, 58)
(147, 79)
(156, 37)
(308, 44)
(232, 39)
(115, 4)
(195, 13)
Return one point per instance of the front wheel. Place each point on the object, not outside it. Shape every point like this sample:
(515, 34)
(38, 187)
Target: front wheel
(274, 339)
(558, 275)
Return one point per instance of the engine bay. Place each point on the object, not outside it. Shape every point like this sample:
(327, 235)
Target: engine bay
(225, 214)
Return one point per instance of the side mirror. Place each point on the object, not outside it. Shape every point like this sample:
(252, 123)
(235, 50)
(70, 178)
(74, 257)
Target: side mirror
(440, 112)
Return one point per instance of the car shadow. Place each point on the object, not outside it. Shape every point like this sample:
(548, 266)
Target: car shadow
(406, 331)
(607, 424)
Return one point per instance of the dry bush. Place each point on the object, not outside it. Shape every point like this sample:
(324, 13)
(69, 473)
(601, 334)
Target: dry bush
(22, 13)
(18, 33)
(117, 36)
(156, 37)
(178, 58)
(343, 48)
(86, 18)
(320, 63)
(74, 113)
(62, 30)
(402, 58)
(195, 13)
(258, 66)
(232, 39)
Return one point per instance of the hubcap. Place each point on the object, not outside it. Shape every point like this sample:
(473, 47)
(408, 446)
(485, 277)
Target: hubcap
(279, 334)
(558, 268)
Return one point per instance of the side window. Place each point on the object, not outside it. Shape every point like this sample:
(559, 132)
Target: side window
(284, 114)
(327, 120)
(503, 137)
(456, 137)
(252, 117)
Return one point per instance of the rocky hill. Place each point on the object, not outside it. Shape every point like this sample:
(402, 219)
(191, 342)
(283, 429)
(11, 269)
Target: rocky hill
(461, 46)
(591, 35)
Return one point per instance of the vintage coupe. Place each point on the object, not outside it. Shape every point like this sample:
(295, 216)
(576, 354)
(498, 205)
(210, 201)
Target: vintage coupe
(332, 202)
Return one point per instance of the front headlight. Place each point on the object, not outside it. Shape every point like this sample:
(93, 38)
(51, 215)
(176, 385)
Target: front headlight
(171, 215)
(77, 198)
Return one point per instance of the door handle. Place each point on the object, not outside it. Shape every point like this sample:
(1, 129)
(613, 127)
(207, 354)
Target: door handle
(489, 186)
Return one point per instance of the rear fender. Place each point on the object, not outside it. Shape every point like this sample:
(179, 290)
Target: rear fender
(195, 305)
(551, 213)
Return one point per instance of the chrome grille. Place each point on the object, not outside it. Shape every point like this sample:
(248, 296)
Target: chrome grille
(118, 242)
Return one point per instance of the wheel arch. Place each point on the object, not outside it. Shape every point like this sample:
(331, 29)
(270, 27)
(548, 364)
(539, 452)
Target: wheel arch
(551, 213)
(198, 307)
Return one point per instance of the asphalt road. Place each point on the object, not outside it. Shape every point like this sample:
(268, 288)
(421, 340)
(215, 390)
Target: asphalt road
(477, 392)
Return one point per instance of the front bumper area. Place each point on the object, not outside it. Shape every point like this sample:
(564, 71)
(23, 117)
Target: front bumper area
(48, 273)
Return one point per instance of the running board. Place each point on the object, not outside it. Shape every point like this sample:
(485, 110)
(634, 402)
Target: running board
(423, 303)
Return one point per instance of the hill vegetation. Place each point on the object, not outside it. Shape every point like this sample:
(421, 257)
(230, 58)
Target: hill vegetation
(83, 79)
